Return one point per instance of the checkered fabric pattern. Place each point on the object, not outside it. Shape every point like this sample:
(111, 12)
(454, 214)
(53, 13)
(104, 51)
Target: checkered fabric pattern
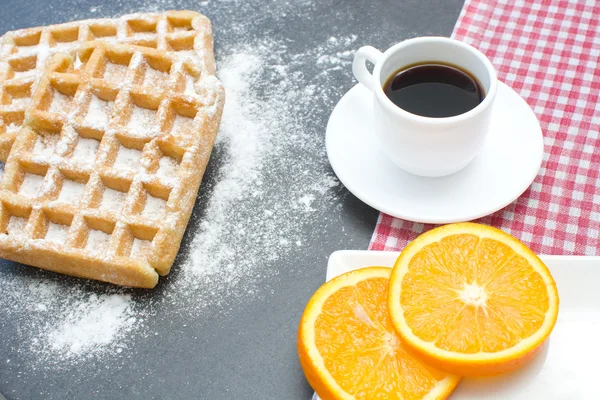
(549, 52)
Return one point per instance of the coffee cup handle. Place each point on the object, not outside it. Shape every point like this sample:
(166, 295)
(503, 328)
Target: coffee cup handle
(359, 67)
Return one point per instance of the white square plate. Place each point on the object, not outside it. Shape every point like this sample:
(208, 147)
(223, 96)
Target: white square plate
(567, 367)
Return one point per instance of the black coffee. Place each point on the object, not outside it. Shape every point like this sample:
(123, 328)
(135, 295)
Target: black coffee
(434, 90)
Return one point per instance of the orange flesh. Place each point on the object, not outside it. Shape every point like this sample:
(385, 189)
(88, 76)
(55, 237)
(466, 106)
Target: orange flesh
(356, 339)
(470, 295)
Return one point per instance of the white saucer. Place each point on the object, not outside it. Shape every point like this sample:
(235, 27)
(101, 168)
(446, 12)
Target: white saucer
(508, 163)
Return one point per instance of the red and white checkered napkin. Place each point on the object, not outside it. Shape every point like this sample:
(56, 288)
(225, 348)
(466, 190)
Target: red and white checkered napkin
(549, 52)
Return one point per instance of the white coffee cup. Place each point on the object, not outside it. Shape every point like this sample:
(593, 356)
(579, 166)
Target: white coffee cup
(422, 145)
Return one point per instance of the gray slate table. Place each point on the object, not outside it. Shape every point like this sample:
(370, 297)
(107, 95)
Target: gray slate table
(248, 352)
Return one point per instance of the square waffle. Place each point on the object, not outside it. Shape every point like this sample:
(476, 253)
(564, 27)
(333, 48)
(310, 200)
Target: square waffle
(25, 53)
(101, 180)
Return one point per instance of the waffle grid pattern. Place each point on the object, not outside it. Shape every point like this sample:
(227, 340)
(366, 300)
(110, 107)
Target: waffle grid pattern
(25, 53)
(101, 181)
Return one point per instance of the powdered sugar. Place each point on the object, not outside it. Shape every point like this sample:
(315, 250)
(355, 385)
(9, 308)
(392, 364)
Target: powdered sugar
(186, 53)
(93, 324)
(154, 77)
(306, 200)
(262, 136)
(23, 74)
(182, 125)
(113, 200)
(98, 112)
(128, 159)
(97, 241)
(60, 102)
(63, 46)
(139, 246)
(167, 166)
(16, 225)
(115, 72)
(154, 208)
(31, 185)
(77, 64)
(57, 233)
(142, 121)
(189, 85)
(20, 102)
(14, 127)
(71, 192)
(25, 51)
(45, 145)
(88, 323)
(85, 150)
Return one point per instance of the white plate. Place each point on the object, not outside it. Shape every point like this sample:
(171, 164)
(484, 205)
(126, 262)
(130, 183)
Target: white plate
(567, 366)
(506, 166)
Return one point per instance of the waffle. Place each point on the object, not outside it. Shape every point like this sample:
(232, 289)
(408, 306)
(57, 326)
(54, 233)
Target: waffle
(102, 179)
(25, 53)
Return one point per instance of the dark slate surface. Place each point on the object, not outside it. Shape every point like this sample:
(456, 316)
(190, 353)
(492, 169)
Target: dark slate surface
(248, 352)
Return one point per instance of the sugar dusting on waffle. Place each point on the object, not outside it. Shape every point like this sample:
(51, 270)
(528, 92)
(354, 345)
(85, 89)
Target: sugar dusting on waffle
(98, 112)
(24, 54)
(124, 198)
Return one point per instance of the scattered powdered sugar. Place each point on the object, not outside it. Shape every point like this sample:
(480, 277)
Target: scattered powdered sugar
(85, 150)
(143, 35)
(98, 112)
(182, 125)
(266, 142)
(20, 102)
(115, 72)
(23, 74)
(16, 225)
(128, 159)
(154, 77)
(25, 51)
(113, 199)
(60, 102)
(189, 85)
(71, 192)
(89, 324)
(139, 246)
(77, 64)
(31, 185)
(14, 127)
(306, 200)
(167, 167)
(154, 208)
(269, 134)
(63, 46)
(339, 59)
(188, 53)
(97, 241)
(44, 145)
(93, 324)
(142, 120)
(57, 232)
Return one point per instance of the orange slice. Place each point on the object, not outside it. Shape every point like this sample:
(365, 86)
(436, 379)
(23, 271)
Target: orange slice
(472, 300)
(348, 348)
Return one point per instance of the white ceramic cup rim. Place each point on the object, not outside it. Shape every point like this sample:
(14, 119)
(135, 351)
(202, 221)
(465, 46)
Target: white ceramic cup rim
(393, 108)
